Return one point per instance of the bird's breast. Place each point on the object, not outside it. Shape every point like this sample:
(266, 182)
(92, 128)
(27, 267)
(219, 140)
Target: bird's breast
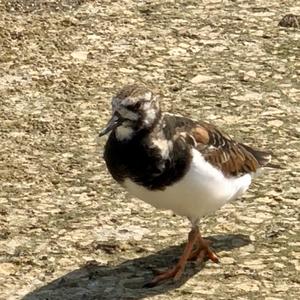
(152, 164)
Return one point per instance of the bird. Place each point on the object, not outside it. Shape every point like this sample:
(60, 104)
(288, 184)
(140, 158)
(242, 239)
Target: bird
(176, 163)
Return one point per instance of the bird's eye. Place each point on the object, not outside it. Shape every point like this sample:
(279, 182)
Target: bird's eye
(138, 105)
(134, 107)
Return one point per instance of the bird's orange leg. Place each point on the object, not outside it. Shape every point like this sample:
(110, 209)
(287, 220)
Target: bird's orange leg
(176, 271)
(203, 251)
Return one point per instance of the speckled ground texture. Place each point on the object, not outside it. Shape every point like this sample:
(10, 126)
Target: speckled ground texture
(67, 230)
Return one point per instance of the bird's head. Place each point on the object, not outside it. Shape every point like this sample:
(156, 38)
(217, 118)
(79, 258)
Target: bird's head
(134, 108)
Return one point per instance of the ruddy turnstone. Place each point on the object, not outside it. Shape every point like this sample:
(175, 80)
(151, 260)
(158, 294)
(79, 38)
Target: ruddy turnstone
(175, 163)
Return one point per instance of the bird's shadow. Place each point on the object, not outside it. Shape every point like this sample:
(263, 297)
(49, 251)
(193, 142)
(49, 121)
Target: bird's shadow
(126, 280)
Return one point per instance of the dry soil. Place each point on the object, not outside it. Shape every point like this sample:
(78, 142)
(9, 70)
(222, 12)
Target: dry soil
(67, 230)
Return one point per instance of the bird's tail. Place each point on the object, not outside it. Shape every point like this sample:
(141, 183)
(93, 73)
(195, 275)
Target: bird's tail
(262, 157)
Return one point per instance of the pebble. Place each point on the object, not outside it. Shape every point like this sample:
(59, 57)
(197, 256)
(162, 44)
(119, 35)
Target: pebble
(7, 269)
(275, 123)
(80, 55)
(201, 78)
(227, 260)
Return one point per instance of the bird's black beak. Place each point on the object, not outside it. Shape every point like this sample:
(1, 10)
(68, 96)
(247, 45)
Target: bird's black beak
(114, 122)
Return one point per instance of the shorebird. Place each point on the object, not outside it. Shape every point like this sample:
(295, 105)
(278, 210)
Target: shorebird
(175, 163)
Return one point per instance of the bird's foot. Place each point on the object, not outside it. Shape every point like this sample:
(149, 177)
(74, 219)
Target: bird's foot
(203, 252)
(176, 271)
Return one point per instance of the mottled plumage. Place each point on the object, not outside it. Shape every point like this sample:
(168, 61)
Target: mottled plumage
(173, 162)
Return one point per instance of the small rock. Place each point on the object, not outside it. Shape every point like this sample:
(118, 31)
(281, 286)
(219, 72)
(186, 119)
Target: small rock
(283, 287)
(296, 263)
(249, 96)
(249, 248)
(278, 265)
(290, 20)
(251, 73)
(275, 123)
(126, 70)
(256, 264)
(227, 260)
(177, 51)
(231, 119)
(184, 45)
(219, 48)
(80, 55)
(7, 268)
(201, 78)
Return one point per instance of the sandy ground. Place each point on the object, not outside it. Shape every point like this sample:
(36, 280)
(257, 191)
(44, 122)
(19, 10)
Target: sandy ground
(67, 230)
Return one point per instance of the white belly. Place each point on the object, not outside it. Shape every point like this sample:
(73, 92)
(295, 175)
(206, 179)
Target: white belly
(202, 191)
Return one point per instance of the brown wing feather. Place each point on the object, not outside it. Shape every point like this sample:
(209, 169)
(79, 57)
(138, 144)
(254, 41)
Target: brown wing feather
(220, 150)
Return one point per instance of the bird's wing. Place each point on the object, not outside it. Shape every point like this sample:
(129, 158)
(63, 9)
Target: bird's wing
(219, 149)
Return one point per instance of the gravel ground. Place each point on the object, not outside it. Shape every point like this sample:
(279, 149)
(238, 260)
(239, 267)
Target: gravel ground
(67, 230)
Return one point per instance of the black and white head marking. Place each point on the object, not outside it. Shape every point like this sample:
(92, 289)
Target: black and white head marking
(134, 108)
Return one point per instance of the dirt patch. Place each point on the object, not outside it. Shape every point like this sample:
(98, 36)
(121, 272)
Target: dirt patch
(66, 227)
(40, 6)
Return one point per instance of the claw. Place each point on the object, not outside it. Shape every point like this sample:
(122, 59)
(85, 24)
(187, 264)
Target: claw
(212, 256)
